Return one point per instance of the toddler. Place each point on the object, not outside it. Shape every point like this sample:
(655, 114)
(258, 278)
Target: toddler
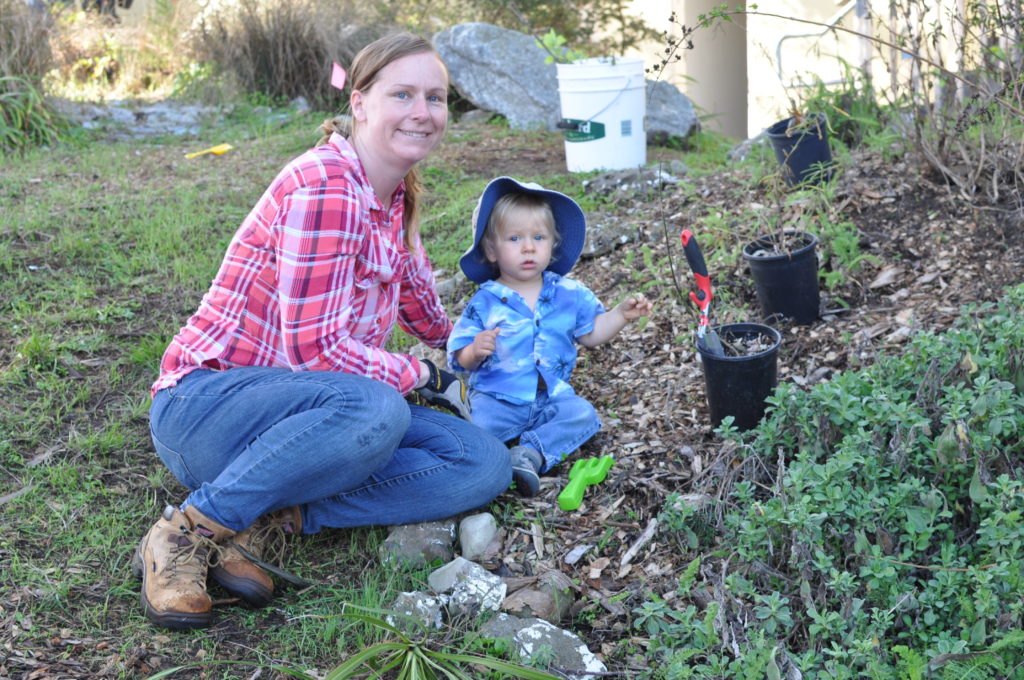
(517, 335)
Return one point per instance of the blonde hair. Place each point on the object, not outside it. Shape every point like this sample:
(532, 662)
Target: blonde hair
(362, 74)
(519, 206)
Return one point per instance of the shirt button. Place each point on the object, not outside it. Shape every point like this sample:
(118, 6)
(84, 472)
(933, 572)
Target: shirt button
(538, 362)
(538, 322)
(504, 300)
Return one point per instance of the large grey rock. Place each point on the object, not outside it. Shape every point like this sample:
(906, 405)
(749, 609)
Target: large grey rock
(503, 71)
(669, 112)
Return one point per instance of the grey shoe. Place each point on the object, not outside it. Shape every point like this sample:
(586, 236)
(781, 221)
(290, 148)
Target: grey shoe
(526, 463)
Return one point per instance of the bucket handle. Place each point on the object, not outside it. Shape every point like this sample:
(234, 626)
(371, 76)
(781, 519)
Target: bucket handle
(564, 125)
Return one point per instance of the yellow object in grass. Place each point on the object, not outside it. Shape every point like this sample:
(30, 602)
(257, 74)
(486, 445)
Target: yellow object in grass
(216, 150)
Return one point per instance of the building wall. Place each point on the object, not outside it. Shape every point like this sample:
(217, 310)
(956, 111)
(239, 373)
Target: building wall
(713, 74)
(745, 76)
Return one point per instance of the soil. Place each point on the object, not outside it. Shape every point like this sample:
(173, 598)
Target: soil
(929, 253)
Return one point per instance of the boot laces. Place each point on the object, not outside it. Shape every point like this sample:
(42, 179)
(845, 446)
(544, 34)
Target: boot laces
(268, 541)
(193, 554)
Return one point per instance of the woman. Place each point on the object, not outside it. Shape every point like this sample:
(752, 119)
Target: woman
(277, 405)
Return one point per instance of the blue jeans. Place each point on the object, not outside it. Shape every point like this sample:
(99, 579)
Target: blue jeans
(349, 450)
(555, 426)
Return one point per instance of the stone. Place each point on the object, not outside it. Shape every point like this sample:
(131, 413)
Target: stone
(420, 607)
(564, 649)
(605, 234)
(504, 71)
(476, 533)
(501, 70)
(475, 117)
(472, 588)
(669, 113)
(420, 543)
(551, 599)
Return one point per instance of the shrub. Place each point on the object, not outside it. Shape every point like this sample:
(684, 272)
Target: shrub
(24, 40)
(968, 127)
(874, 522)
(282, 48)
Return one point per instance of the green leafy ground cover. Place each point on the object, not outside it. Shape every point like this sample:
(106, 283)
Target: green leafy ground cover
(870, 527)
(875, 525)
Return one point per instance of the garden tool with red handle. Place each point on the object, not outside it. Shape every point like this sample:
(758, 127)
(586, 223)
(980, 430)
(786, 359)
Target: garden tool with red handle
(706, 335)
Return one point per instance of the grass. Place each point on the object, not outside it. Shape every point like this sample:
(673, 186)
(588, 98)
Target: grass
(105, 249)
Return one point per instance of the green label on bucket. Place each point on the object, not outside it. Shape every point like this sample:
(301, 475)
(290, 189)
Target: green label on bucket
(582, 130)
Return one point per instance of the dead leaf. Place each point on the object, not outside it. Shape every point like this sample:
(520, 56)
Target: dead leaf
(886, 277)
(597, 566)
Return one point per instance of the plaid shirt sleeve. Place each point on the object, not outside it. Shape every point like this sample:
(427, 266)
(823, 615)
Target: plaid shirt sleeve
(330, 310)
(420, 312)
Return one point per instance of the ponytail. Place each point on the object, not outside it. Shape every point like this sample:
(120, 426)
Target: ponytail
(413, 190)
(339, 124)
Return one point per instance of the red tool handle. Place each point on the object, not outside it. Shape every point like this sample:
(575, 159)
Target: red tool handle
(701, 298)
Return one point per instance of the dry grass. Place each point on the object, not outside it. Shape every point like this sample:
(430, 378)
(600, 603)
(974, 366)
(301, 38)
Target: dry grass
(283, 48)
(24, 40)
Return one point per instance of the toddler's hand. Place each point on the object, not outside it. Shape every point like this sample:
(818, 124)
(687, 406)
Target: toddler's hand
(634, 307)
(484, 344)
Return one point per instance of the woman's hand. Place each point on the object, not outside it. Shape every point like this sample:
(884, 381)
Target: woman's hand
(443, 388)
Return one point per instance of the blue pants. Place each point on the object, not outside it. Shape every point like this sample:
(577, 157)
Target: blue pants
(350, 450)
(555, 426)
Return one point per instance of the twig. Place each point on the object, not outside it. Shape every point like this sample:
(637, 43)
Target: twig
(14, 494)
(925, 566)
(647, 535)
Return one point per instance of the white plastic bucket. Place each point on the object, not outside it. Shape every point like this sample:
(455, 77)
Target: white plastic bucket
(603, 113)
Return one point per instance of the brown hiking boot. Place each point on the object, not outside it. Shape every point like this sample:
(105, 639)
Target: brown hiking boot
(172, 561)
(264, 540)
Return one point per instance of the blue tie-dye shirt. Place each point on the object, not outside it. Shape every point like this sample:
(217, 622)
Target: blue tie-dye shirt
(530, 342)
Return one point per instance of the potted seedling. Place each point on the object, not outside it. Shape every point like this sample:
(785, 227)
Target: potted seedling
(801, 148)
(784, 266)
(740, 360)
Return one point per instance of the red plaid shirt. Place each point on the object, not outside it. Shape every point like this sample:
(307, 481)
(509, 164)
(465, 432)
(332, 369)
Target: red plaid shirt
(315, 279)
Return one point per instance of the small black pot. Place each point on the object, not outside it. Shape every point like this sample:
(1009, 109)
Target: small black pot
(787, 283)
(737, 386)
(804, 155)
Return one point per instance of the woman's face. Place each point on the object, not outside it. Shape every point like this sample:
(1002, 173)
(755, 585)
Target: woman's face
(402, 116)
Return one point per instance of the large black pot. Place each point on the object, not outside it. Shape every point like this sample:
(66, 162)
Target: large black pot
(803, 152)
(737, 386)
(787, 281)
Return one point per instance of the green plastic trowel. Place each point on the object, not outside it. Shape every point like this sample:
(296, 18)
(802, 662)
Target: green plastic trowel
(583, 473)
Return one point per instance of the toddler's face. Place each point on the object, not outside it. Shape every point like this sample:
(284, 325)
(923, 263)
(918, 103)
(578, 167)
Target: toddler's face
(522, 250)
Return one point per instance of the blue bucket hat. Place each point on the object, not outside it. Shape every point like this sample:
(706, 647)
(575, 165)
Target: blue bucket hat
(569, 220)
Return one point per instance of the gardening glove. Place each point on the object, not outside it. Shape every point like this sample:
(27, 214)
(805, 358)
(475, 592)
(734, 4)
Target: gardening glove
(444, 389)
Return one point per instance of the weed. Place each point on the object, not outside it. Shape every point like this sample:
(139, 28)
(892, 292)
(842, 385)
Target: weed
(25, 118)
(407, 657)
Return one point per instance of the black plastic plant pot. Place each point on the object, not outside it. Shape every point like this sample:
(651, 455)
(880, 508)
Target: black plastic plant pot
(803, 152)
(785, 271)
(737, 386)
